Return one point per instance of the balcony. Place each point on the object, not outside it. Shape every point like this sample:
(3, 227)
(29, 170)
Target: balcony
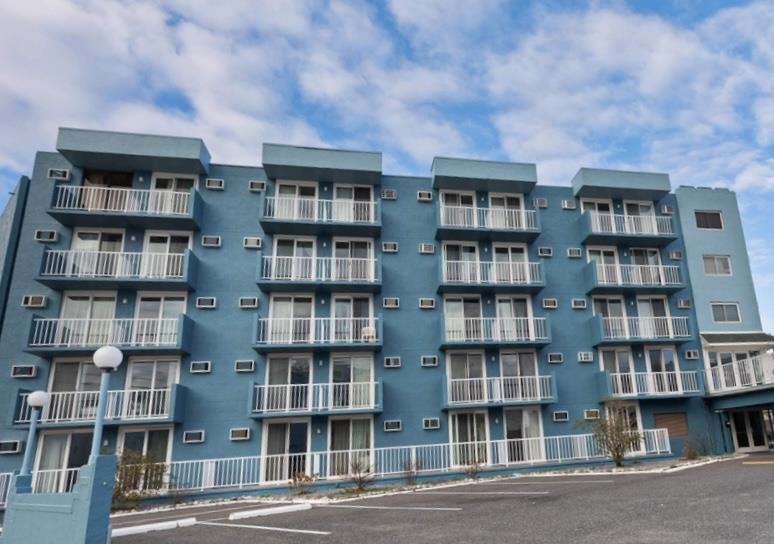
(650, 385)
(630, 278)
(613, 229)
(499, 391)
(341, 333)
(129, 406)
(313, 216)
(60, 336)
(94, 206)
(741, 376)
(316, 399)
(318, 274)
(467, 276)
(468, 223)
(470, 332)
(628, 330)
(72, 269)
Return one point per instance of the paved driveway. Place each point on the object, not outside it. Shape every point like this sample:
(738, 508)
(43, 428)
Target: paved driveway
(725, 503)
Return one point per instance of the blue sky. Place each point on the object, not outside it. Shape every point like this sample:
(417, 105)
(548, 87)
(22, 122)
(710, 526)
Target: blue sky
(685, 87)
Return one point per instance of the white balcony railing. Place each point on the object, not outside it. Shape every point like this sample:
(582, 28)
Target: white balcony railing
(637, 275)
(319, 330)
(624, 384)
(318, 396)
(321, 211)
(67, 333)
(239, 472)
(489, 273)
(756, 371)
(319, 269)
(647, 328)
(495, 329)
(108, 264)
(488, 218)
(499, 389)
(118, 200)
(642, 225)
(72, 406)
(5, 486)
(61, 480)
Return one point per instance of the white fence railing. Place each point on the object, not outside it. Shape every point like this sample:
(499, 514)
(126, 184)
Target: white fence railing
(607, 223)
(118, 200)
(319, 269)
(755, 371)
(241, 472)
(321, 211)
(128, 404)
(499, 389)
(623, 328)
(108, 264)
(319, 330)
(61, 480)
(5, 487)
(488, 218)
(99, 332)
(638, 275)
(318, 396)
(494, 329)
(502, 273)
(624, 384)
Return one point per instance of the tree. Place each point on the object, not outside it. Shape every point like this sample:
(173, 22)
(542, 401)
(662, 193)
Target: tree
(613, 434)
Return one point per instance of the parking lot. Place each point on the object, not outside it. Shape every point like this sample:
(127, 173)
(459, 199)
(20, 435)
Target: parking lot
(723, 502)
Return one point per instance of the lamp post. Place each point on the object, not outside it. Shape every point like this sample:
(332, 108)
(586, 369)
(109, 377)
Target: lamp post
(35, 400)
(107, 359)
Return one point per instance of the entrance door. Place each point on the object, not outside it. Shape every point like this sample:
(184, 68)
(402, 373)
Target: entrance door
(291, 320)
(519, 376)
(96, 253)
(288, 381)
(461, 263)
(513, 318)
(352, 204)
(510, 265)
(630, 412)
(75, 385)
(287, 446)
(458, 209)
(652, 313)
(469, 438)
(149, 383)
(618, 362)
(157, 318)
(352, 260)
(748, 430)
(351, 387)
(614, 322)
(106, 191)
(350, 445)
(463, 319)
(602, 219)
(60, 455)
(148, 448)
(87, 319)
(640, 218)
(506, 212)
(171, 194)
(293, 259)
(606, 261)
(648, 269)
(163, 256)
(467, 377)
(296, 201)
(351, 315)
(663, 370)
(523, 435)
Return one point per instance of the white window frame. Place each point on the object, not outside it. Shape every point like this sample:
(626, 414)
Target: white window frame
(162, 294)
(718, 303)
(100, 231)
(715, 258)
(131, 428)
(720, 216)
(156, 175)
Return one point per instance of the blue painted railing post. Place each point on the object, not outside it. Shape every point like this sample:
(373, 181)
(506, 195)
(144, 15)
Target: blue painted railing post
(32, 437)
(96, 442)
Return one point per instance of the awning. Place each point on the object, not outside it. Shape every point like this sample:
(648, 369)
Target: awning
(746, 338)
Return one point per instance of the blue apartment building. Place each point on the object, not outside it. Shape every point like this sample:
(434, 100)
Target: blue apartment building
(317, 316)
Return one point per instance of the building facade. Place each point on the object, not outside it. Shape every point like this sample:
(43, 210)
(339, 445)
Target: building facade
(317, 316)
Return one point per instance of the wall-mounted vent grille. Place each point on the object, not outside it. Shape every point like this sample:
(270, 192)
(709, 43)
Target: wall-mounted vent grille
(428, 360)
(393, 425)
(46, 235)
(239, 434)
(427, 303)
(389, 194)
(554, 358)
(209, 240)
(540, 202)
(691, 354)
(431, 423)
(579, 304)
(585, 357)
(252, 242)
(427, 249)
(392, 362)
(425, 196)
(9, 447)
(248, 302)
(391, 302)
(545, 252)
(24, 371)
(684, 303)
(568, 204)
(256, 185)
(389, 247)
(676, 255)
(550, 303)
(34, 301)
(591, 414)
(206, 303)
(666, 209)
(193, 437)
(214, 184)
(200, 367)
(574, 252)
(561, 416)
(244, 365)
(58, 174)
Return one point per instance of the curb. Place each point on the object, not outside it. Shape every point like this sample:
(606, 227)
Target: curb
(148, 527)
(269, 511)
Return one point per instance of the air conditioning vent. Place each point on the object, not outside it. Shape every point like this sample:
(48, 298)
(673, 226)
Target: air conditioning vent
(666, 209)
(585, 357)
(392, 425)
(389, 194)
(252, 242)
(248, 302)
(676, 255)
(427, 303)
(568, 204)
(425, 196)
(215, 184)
(256, 186)
(431, 423)
(574, 252)
(34, 301)
(561, 416)
(24, 371)
(555, 358)
(209, 240)
(9, 447)
(58, 174)
(545, 252)
(427, 249)
(239, 434)
(389, 247)
(206, 303)
(550, 303)
(591, 414)
(193, 437)
(200, 367)
(392, 362)
(391, 302)
(540, 202)
(691, 354)
(579, 304)
(428, 360)
(684, 303)
(46, 236)
(244, 365)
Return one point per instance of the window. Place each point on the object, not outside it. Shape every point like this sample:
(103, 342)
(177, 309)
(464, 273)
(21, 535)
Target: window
(676, 423)
(725, 312)
(717, 265)
(709, 220)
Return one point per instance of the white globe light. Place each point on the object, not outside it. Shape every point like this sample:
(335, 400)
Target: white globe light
(108, 357)
(38, 399)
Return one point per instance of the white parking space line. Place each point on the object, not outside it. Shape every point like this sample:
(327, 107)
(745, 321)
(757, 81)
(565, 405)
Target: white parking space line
(264, 528)
(550, 483)
(117, 522)
(427, 508)
(485, 493)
